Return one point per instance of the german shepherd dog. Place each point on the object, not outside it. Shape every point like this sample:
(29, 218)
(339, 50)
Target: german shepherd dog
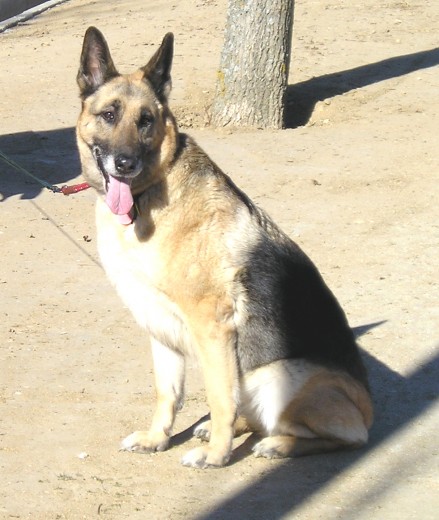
(210, 275)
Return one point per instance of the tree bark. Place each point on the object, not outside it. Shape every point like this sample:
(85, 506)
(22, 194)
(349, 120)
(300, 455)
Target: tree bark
(253, 73)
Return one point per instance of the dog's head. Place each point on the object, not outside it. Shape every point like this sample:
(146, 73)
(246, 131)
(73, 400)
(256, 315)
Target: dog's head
(125, 132)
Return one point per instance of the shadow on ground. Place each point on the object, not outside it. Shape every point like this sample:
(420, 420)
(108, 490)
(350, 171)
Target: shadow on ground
(51, 156)
(398, 402)
(301, 98)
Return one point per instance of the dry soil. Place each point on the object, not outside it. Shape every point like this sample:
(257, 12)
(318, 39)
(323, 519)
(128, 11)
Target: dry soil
(354, 181)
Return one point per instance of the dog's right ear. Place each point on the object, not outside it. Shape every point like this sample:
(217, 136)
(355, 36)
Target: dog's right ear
(96, 66)
(157, 72)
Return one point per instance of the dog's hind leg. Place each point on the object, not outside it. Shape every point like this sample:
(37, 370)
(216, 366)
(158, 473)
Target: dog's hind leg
(280, 446)
(169, 381)
(331, 412)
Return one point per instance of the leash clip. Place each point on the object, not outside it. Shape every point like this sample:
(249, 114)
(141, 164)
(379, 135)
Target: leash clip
(54, 189)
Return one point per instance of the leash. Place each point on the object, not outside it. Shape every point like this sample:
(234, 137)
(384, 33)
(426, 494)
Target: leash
(65, 190)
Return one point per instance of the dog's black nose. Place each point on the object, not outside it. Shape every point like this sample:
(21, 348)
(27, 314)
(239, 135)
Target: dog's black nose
(125, 164)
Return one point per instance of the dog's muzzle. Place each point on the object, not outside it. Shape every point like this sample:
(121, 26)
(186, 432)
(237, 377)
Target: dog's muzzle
(121, 166)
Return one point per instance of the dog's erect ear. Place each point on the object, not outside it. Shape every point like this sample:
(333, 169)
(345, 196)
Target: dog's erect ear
(96, 66)
(158, 70)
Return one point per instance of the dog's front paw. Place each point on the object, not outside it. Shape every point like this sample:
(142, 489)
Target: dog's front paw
(202, 431)
(145, 442)
(204, 457)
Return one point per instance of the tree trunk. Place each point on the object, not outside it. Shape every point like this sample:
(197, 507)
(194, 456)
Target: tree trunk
(254, 67)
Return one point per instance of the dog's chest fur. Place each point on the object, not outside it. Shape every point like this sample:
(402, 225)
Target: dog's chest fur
(135, 269)
(162, 279)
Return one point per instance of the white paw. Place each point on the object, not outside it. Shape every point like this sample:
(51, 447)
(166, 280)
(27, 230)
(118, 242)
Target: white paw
(145, 442)
(202, 431)
(203, 457)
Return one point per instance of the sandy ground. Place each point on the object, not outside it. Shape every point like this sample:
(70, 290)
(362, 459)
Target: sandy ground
(354, 181)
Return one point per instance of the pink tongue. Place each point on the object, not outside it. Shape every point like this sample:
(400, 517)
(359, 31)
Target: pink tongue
(119, 198)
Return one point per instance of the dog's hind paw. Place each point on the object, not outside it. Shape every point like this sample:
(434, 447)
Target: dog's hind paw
(203, 457)
(273, 447)
(145, 442)
(202, 431)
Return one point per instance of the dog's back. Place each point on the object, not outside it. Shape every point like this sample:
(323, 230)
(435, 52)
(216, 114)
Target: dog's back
(288, 310)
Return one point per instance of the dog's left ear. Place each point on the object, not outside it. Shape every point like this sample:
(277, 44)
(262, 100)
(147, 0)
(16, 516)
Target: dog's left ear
(96, 65)
(158, 70)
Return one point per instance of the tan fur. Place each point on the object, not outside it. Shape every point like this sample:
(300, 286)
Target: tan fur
(330, 406)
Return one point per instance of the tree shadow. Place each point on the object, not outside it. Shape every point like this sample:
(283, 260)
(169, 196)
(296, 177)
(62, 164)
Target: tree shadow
(51, 156)
(301, 98)
(398, 401)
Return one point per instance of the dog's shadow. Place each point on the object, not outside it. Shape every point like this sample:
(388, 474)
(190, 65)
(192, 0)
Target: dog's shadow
(51, 156)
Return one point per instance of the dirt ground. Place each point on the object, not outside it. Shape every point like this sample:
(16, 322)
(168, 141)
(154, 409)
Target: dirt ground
(354, 181)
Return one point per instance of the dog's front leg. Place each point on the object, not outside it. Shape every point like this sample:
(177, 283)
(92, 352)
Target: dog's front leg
(169, 381)
(218, 361)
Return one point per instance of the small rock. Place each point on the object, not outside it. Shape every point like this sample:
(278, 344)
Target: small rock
(83, 455)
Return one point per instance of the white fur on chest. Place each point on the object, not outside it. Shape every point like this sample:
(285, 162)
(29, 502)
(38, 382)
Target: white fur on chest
(133, 267)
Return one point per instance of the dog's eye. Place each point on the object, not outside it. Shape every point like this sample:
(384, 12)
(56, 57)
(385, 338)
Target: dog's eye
(146, 119)
(108, 116)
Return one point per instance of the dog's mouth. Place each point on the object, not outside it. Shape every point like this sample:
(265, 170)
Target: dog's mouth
(118, 190)
(100, 163)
